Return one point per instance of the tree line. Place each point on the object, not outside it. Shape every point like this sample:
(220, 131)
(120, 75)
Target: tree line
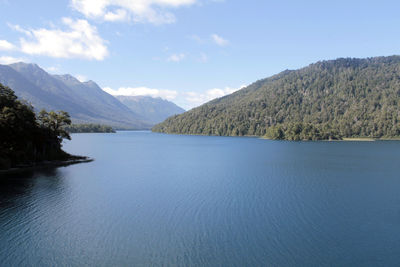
(89, 128)
(27, 138)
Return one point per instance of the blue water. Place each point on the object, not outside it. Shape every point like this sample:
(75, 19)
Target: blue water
(152, 199)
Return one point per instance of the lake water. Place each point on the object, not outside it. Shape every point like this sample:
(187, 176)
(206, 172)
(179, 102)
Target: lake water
(152, 199)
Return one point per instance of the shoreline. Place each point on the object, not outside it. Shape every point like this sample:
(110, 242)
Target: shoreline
(357, 139)
(360, 139)
(48, 164)
(346, 139)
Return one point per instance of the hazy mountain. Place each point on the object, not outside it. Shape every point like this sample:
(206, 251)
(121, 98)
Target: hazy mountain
(329, 99)
(154, 110)
(85, 102)
(30, 92)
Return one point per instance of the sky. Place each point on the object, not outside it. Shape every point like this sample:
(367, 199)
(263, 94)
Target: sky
(191, 51)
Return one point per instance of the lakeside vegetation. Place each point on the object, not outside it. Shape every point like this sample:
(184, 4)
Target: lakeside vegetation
(89, 128)
(27, 139)
(328, 100)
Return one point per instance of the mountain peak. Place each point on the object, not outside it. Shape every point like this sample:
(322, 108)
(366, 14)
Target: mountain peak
(153, 109)
(23, 65)
(85, 101)
(91, 84)
(28, 68)
(68, 78)
(64, 92)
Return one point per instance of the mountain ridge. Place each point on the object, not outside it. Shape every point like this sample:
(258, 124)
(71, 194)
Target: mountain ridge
(85, 101)
(154, 109)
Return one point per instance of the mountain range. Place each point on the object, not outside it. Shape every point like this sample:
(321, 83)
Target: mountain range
(335, 99)
(153, 110)
(86, 102)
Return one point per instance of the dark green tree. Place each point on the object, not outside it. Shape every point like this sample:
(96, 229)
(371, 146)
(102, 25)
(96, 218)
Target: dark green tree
(23, 138)
(55, 122)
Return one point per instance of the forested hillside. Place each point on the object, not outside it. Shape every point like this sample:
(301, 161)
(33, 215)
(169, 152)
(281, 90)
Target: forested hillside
(326, 100)
(27, 139)
(89, 128)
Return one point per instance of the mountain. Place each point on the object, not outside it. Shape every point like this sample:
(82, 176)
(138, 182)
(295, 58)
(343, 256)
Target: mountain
(334, 99)
(154, 110)
(85, 102)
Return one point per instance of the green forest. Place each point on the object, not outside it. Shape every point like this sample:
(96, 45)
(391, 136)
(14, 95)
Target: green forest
(343, 98)
(27, 138)
(89, 128)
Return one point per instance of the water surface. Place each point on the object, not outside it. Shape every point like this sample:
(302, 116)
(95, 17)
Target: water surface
(152, 199)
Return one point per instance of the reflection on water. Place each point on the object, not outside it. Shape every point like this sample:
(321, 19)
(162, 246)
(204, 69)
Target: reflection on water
(153, 199)
(15, 186)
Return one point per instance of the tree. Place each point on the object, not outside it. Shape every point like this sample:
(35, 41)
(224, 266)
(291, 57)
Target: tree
(25, 138)
(55, 122)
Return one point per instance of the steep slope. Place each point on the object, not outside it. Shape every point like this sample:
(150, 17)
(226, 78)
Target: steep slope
(154, 110)
(85, 102)
(26, 90)
(329, 99)
(106, 106)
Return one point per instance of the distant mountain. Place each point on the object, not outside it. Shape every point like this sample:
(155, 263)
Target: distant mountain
(329, 99)
(85, 102)
(154, 110)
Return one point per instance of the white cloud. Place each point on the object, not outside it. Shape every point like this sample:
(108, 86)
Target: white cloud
(5, 45)
(19, 29)
(80, 40)
(196, 99)
(219, 40)
(187, 100)
(118, 15)
(142, 91)
(5, 60)
(53, 69)
(81, 78)
(176, 57)
(151, 11)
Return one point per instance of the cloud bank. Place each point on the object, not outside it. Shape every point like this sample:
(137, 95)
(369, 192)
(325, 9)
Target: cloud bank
(195, 99)
(143, 91)
(78, 40)
(187, 100)
(5, 60)
(6, 46)
(143, 11)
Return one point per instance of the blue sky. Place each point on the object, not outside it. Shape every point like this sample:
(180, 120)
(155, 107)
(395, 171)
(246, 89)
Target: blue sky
(190, 51)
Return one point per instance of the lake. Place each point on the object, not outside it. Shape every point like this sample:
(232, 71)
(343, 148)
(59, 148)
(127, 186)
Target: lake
(152, 199)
